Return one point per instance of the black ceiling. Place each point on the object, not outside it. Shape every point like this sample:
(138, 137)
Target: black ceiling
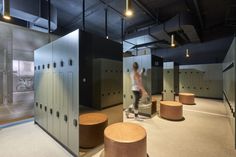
(212, 12)
(214, 19)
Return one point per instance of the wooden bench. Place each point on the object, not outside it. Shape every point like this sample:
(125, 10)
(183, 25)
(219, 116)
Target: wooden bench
(91, 129)
(125, 140)
(187, 98)
(171, 110)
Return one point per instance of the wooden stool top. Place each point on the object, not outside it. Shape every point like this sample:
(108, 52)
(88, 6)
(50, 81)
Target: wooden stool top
(92, 118)
(125, 132)
(186, 94)
(171, 103)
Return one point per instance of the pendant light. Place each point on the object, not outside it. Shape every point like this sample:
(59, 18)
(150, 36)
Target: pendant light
(172, 40)
(187, 53)
(6, 9)
(128, 10)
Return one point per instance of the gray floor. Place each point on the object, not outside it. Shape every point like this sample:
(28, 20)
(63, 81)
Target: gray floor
(21, 108)
(205, 132)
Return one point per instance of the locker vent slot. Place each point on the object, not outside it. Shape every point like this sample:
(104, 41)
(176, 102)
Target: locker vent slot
(48, 66)
(43, 66)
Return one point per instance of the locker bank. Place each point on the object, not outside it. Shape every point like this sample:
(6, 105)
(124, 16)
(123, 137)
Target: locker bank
(117, 78)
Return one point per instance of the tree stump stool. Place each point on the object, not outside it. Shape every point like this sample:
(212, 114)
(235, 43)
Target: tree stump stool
(91, 129)
(125, 140)
(171, 110)
(186, 98)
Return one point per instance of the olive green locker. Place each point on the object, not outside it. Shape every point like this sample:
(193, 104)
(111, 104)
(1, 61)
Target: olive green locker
(146, 66)
(72, 61)
(56, 95)
(36, 91)
(130, 95)
(40, 86)
(168, 81)
(125, 74)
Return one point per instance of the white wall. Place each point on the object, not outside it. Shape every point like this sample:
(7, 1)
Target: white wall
(229, 83)
(204, 80)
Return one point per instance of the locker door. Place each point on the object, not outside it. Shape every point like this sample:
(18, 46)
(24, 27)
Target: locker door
(50, 101)
(36, 102)
(40, 116)
(147, 75)
(125, 73)
(73, 112)
(56, 113)
(63, 108)
(129, 70)
(73, 91)
(45, 93)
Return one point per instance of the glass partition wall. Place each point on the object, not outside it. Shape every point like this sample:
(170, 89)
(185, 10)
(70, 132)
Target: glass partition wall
(17, 46)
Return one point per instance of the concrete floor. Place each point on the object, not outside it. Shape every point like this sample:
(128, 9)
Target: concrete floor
(21, 108)
(205, 132)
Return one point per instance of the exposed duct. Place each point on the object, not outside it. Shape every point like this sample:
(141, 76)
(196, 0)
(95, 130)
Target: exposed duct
(35, 12)
(210, 52)
(181, 22)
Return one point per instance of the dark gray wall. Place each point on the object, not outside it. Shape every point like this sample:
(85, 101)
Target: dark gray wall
(92, 47)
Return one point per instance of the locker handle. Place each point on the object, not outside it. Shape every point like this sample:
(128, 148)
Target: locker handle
(62, 63)
(35, 68)
(48, 66)
(58, 114)
(54, 65)
(45, 108)
(70, 62)
(43, 66)
(124, 95)
(50, 111)
(37, 104)
(75, 122)
(40, 106)
(65, 118)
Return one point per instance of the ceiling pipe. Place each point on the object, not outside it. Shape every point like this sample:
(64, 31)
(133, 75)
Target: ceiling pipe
(198, 13)
(122, 30)
(106, 15)
(49, 16)
(49, 20)
(83, 15)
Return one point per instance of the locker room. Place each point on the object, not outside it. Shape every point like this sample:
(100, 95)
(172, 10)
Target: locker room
(111, 78)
